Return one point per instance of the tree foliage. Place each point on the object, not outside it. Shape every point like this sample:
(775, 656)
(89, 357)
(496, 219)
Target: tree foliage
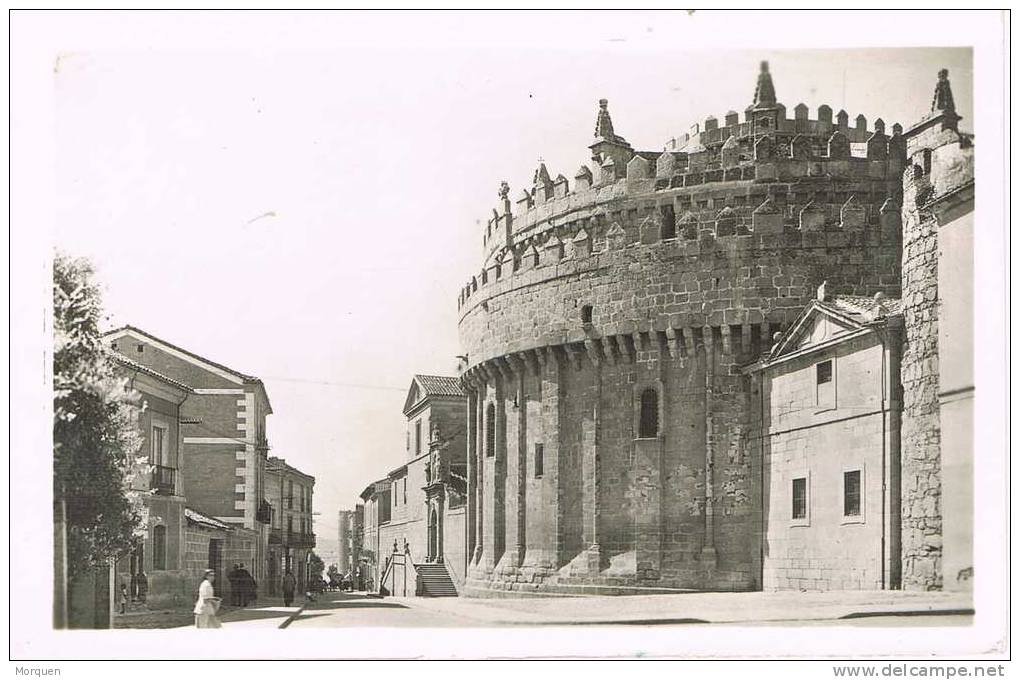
(96, 440)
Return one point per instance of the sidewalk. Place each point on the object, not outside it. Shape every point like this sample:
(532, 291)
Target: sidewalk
(755, 607)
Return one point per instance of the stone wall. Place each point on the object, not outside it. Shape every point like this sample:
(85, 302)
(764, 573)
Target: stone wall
(940, 165)
(664, 271)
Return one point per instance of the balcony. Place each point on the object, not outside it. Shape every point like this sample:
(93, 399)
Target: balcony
(163, 480)
(264, 514)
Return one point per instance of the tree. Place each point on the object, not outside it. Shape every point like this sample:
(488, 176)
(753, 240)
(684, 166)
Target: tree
(315, 568)
(96, 440)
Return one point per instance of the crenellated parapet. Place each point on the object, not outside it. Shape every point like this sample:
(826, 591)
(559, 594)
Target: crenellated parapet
(736, 161)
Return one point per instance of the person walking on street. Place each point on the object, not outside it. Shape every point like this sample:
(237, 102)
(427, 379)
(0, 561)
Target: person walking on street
(207, 604)
(289, 585)
(123, 597)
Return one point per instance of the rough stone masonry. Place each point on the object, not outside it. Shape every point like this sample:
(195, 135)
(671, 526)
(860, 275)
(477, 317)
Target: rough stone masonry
(611, 444)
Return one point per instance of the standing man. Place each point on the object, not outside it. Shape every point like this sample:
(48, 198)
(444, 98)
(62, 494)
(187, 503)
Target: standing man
(233, 577)
(245, 583)
(289, 585)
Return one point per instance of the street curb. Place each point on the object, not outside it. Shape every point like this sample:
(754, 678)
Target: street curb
(909, 612)
(290, 619)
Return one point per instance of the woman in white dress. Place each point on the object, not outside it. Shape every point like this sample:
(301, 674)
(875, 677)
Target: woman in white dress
(207, 604)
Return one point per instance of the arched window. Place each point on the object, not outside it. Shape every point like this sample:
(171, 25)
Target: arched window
(648, 426)
(159, 548)
(490, 430)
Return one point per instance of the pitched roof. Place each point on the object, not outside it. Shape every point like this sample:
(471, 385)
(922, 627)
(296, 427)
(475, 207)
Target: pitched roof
(274, 464)
(135, 366)
(862, 308)
(855, 313)
(425, 386)
(195, 358)
(195, 517)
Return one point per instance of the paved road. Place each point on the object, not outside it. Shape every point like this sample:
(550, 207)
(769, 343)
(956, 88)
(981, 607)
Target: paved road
(346, 610)
(335, 610)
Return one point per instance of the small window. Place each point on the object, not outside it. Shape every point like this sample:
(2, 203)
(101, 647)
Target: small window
(539, 460)
(823, 372)
(405, 491)
(648, 427)
(159, 548)
(824, 385)
(852, 493)
(799, 509)
(140, 348)
(586, 314)
(417, 438)
(490, 430)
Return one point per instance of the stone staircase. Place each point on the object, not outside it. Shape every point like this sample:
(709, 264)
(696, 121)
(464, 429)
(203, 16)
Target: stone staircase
(435, 580)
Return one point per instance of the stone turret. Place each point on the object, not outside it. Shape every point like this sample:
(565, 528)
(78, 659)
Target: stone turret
(609, 146)
(608, 351)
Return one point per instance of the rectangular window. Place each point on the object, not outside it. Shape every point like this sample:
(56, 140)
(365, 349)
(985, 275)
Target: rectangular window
(539, 460)
(825, 386)
(405, 490)
(852, 493)
(290, 495)
(417, 438)
(158, 456)
(799, 509)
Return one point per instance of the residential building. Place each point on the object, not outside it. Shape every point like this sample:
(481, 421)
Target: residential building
(159, 558)
(345, 541)
(223, 437)
(291, 537)
(829, 413)
(419, 515)
(376, 504)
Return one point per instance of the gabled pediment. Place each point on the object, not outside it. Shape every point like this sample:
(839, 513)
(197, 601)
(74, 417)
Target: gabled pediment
(413, 396)
(818, 324)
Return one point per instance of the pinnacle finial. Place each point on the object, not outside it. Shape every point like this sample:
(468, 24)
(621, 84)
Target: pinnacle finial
(765, 91)
(943, 99)
(604, 124)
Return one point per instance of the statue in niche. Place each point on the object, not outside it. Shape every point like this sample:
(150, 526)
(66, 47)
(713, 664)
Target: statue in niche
(504, 190)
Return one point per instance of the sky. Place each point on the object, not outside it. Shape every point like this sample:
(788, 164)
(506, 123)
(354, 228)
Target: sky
(308, 214)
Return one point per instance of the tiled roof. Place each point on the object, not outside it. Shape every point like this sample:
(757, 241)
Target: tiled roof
(440, 386)
(135, 366)
(863, 308)
(246, 378)
(196, 517)
(243, 376)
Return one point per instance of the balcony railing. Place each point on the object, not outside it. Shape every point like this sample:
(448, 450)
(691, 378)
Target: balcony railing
(164, 480)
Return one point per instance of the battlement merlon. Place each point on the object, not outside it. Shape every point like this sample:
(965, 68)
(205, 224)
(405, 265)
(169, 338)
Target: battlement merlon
(792, 148)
